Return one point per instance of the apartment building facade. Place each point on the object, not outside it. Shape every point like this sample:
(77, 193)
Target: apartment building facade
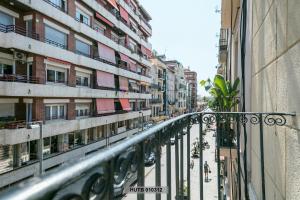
(180, 86)
(171, 93)
(158, 88)
(81, 68)
(259, 43)
(192, 84)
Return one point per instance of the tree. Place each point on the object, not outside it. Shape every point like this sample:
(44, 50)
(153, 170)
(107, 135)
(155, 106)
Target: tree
(224, 94)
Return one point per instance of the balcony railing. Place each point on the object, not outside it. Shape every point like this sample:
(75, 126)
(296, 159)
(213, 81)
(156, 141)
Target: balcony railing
(99, 175)
(19, 78)
(154, 101)
(223, 41)
(19, 30)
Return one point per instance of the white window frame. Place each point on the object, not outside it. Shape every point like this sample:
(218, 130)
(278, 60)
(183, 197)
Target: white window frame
(58, 106)
(83, 75)
(83, 13)
(85, 42)
(56, 69)
(82, 106)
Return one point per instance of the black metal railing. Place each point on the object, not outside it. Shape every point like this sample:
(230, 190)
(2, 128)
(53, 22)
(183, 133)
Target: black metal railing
(19, 30)
(19, 78)
(223, 40)
(101, 175)
(54, 43)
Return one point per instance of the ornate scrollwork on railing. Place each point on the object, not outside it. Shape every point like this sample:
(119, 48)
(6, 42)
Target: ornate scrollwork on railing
(243, 119)
(254, 119)
(95, 187)
(274, 119)
(208, 119)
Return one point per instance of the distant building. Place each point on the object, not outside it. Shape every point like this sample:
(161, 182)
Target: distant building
(180, 86)
(158, 88)
(171, 93)
(191, 79)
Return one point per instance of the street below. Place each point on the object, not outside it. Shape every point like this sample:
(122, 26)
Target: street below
(210, 187)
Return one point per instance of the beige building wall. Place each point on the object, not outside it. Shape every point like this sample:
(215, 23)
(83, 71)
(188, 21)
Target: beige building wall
(275, 87)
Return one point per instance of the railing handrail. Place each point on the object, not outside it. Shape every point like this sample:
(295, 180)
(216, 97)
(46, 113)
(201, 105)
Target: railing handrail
(46, 184)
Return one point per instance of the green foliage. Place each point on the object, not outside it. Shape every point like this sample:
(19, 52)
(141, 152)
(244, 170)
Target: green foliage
(224, 94)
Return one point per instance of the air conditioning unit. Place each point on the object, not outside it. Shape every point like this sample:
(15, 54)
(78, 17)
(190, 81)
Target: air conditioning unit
(20, 56)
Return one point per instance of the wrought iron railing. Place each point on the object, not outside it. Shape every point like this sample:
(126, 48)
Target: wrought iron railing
(101, 175)
(19, 78)
(223, 40)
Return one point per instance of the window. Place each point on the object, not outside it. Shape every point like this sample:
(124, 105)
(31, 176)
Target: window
(132, 45)
(6, 19)
(101, 131)
(82, 48)
(56, 75)
(76, 139)
(59, 4)
(5, 69)
(82, 79)
(82, 17)
(55, 37)
(56, 111)
(82, 110)
(99, 27)
(114, 37)
(121, 124)
(29, 28)
(132, 106)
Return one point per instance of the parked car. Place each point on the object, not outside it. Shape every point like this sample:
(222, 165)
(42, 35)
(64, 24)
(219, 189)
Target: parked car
(150, 159)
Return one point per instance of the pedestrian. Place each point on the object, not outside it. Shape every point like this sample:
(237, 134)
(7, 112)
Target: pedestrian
(192, 164)
(206, 170)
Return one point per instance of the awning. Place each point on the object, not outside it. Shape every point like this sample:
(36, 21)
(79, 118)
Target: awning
(146, 51)
(123, 83)
(104, 19)
(58, 61)
(105, 106)
(105, 79)
(134, 86)
(113, 3)
(106, 53)
(124, 14)
(125, 104)
(132, 65)
(124, 58)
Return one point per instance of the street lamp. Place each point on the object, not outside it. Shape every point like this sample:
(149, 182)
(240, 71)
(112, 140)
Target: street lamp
(34, 125)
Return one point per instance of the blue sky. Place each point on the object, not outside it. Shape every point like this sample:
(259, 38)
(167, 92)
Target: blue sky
(186, 31)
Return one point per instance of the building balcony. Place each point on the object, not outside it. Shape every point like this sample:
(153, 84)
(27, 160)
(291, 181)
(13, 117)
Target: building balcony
(79, 27)
(21, 135)
(48, 8)
(49, 50)
(46, 90)
(54, 160)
